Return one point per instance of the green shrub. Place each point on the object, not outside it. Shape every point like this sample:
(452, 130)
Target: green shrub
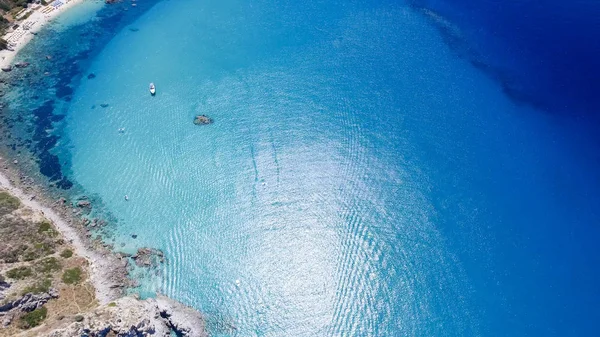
(19, 273)
(39, 287)
(8, 203)
(34, 318)
(46, 227)
(71, 276)
(112, 304)
(67, 253)
(44, 248)
(48, 265)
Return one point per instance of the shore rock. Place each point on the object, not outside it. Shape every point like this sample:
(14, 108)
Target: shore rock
(129, 316)
(202, 120)
(148, 257)
(6, 69)
(84, 203)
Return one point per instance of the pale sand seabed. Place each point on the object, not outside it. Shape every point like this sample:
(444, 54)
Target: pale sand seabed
(36, 21)
(100, 266)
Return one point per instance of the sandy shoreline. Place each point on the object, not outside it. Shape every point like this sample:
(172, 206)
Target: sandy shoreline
(38, 19)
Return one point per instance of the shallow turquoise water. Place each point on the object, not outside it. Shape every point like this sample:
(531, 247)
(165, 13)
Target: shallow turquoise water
(360, 179)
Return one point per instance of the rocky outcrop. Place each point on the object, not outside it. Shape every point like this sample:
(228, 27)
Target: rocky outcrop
(148, 257)
(129, 316)
(29, 302)
(182, 319)
(202, 120)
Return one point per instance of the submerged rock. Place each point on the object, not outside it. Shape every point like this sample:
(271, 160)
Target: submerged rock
(91, 75)
(84, 203)
(104, 105)
(202, 120)
(148, 257)
(21, 64)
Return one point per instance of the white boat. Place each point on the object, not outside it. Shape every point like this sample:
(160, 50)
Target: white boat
(152, 89)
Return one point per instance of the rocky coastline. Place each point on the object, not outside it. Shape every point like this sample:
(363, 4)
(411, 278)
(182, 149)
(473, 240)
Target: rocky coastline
(107, 272)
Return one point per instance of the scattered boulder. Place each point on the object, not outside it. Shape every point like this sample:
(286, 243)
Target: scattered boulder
(84, 203)
(202, 120)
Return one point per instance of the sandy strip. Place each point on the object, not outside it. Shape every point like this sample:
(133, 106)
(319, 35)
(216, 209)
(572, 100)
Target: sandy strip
(36, 20)
(102, 266)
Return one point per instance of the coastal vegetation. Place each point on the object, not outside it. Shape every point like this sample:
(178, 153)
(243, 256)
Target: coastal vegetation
(33, 319)
(8, 203)
(41, 278)
(72, 276)
(19, 273)
(67, 253)
(38, 287)
(48, 265)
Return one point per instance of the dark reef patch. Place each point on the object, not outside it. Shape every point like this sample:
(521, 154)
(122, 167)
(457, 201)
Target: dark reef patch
(549, 51)
(453, 37)
(34, 115)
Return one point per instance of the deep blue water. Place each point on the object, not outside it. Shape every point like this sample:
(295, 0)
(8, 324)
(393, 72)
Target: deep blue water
(382, 169)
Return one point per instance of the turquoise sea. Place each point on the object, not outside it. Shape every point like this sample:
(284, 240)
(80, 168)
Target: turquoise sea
(373, 169)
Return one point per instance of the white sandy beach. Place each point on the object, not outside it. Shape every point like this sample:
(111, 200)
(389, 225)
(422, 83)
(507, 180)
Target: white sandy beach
(38, 19)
